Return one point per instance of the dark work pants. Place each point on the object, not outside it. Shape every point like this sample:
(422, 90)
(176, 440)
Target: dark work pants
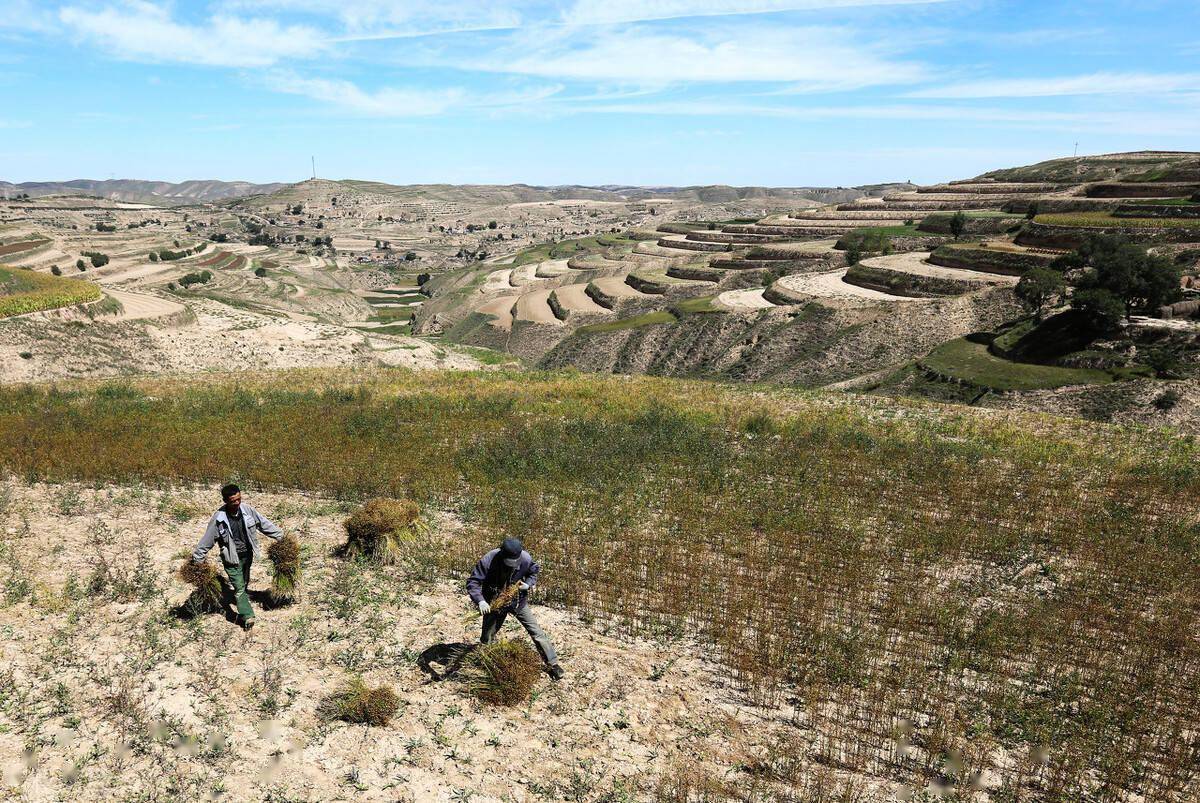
(493, 621)
(239, 578)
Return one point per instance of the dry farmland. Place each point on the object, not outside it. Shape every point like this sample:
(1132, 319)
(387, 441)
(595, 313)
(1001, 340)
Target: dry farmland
(977, 603)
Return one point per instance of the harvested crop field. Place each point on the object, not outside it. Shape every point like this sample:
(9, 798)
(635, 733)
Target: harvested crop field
(908, 583)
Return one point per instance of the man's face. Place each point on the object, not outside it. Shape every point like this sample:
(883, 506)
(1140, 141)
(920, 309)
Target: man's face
(234, 502)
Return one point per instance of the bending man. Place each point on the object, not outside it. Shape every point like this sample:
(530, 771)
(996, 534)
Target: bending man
(494, 572)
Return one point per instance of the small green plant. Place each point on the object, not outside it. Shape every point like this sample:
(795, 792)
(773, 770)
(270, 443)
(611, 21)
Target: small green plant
(357, 702)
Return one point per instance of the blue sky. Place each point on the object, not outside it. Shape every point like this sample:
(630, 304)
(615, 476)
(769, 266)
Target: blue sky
(771, 92)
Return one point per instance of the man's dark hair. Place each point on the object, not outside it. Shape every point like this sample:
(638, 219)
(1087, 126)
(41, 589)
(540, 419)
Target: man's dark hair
(229, 490)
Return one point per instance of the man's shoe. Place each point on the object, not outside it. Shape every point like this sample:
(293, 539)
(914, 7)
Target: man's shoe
(248, 624)
(556, 672)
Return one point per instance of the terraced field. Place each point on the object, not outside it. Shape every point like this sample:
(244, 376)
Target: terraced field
(25, 291)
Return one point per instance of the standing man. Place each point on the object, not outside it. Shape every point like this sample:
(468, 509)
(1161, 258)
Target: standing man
(494, 572)
(233, 526)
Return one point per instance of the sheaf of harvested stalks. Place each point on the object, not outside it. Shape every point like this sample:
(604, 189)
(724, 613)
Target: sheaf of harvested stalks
(206, 581)
(381, 530)
(500, 673)
(357, 702)
(284, 555)
(506, 597)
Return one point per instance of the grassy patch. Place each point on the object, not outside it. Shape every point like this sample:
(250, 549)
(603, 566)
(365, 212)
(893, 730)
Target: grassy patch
(972, 363)
(655, 318)
(489, 356)
(23, 291)
(391, 315)
(693, 306)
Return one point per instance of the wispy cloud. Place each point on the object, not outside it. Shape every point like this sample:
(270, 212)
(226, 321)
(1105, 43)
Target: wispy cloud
(400, 101)
(142, 31)
(594, 12)
(812, 58)
(1181, 122)
(1102, 83)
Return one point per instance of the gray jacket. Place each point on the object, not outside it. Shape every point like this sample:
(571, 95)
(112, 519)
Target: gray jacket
(219, 531)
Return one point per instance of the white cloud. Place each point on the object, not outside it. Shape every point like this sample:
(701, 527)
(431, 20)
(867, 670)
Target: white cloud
(142, 31)
(400, 101)
(377, 19)
(591, 12)
(810, 58)
(1181, 122)
(1096, 84)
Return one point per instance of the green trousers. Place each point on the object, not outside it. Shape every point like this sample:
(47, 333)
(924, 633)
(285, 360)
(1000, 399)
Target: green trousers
(239, 577)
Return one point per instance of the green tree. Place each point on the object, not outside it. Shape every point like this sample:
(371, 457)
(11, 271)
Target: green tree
(1038, 287)
(958, 224)
(1103, 309)
(1132, 275)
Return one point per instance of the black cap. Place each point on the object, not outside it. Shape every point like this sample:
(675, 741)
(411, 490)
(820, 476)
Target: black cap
(510, 552)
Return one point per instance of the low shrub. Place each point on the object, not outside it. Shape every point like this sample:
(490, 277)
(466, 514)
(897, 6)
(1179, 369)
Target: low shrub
(201, 277)
(382, 529)
(501, 673)
(357, 702)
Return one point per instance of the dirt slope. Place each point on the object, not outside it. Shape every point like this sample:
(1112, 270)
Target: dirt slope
(107, 693)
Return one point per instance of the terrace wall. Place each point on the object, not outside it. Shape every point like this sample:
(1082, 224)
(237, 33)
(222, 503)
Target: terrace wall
(987, 260)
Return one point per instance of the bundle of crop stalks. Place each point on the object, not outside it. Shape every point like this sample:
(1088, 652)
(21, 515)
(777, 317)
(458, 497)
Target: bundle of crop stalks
(382, 530)
(285, 566)
(357, 702)
(204, 578)
(506, 596)
(500, 673)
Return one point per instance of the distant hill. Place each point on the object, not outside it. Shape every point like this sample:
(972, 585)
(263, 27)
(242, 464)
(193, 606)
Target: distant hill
(165, 193)
(498, 194)
(1134, 166)
(161, 193)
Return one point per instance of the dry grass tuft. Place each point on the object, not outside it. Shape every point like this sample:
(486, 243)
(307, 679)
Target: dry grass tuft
(501, 673)
(284, 554)
(357, 702)
(381, 530)
(206, 581)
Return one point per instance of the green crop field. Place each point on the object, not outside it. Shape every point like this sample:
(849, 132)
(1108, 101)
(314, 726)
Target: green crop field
(1107, 219)
(1011, 595)
(570, 248)
(23, 291)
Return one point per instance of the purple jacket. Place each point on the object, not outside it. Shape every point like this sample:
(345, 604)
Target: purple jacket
(491, 576)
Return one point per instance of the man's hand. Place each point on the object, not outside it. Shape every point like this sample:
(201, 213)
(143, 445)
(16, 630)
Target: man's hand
(484, 608)
(523, 585)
